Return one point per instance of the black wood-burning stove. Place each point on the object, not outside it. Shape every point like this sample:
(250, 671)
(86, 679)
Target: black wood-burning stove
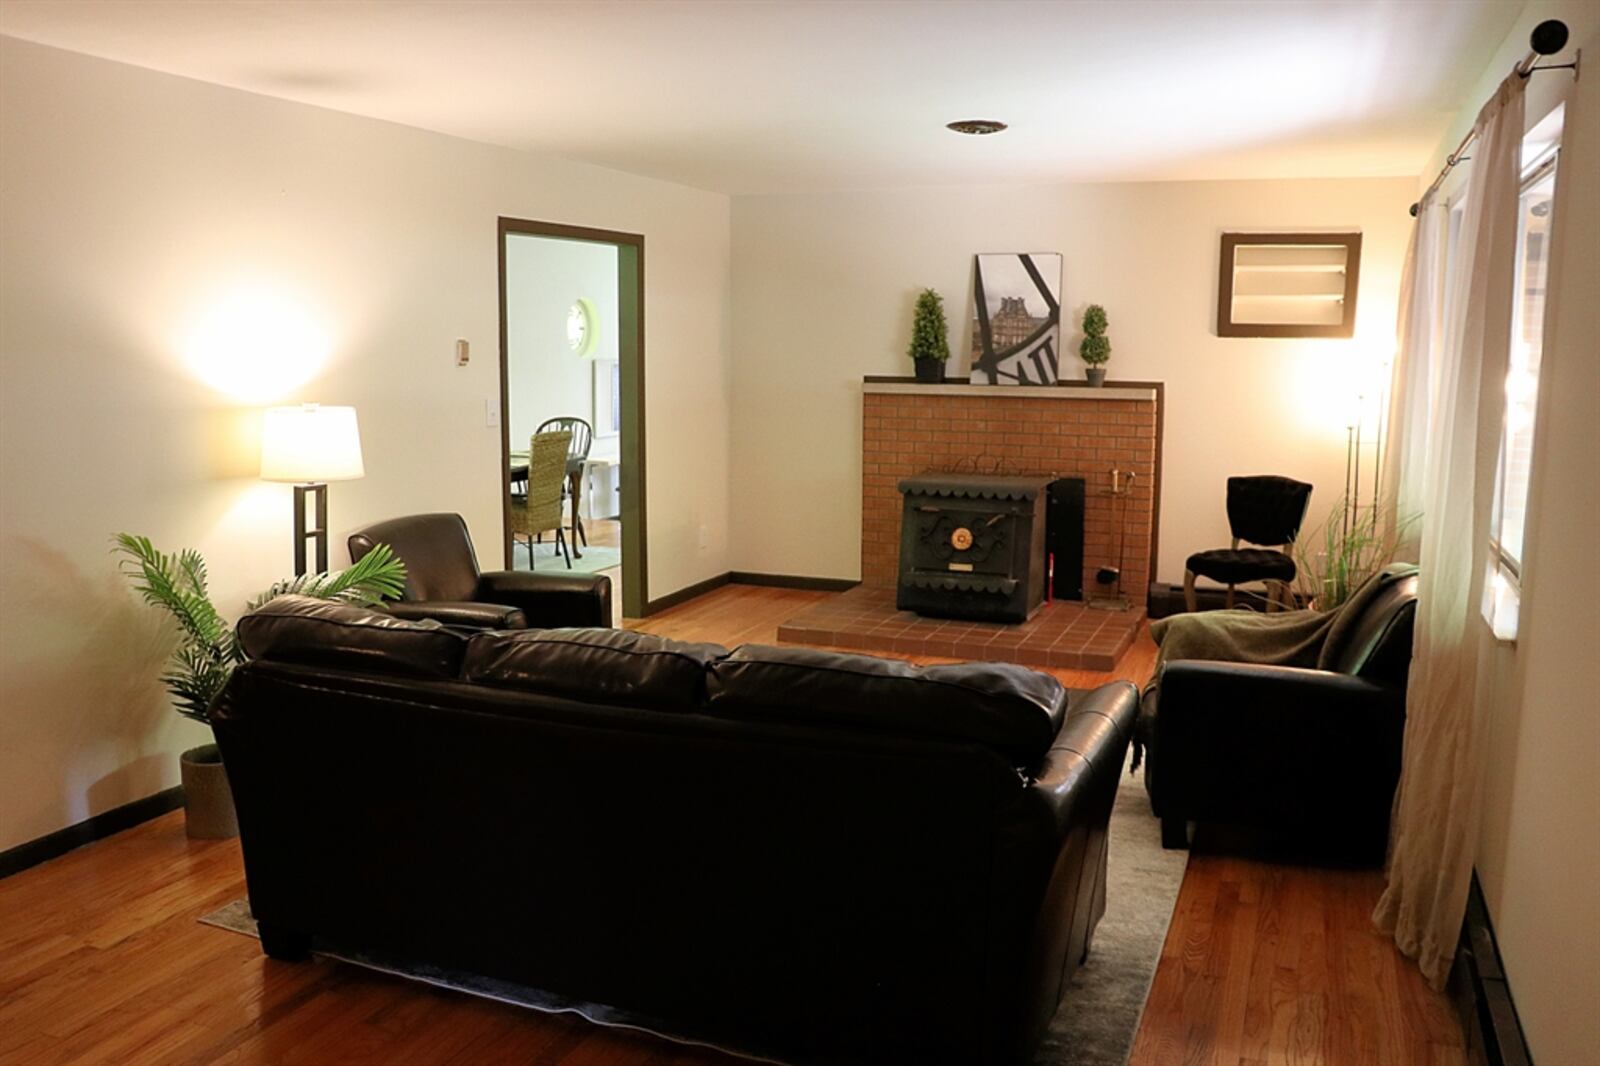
(972, 546)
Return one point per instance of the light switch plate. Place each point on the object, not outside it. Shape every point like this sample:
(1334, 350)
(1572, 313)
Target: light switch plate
(491, 413)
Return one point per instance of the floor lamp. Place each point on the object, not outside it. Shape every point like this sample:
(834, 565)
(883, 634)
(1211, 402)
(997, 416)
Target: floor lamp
(309, 446)
(1377, 391)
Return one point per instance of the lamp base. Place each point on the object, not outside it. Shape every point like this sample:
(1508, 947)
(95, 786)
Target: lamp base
(318, 533)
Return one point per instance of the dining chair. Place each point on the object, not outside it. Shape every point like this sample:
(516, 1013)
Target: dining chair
(539, 511)
(577, 453)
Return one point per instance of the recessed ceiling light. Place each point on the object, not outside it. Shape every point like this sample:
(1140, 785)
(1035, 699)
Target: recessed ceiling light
(977, 127)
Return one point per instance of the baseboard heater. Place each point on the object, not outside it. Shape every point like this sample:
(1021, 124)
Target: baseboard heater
(1481, 994)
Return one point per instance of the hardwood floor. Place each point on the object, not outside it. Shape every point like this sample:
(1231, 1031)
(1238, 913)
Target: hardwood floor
(102, 959)
(1266, 963)
(607, 533)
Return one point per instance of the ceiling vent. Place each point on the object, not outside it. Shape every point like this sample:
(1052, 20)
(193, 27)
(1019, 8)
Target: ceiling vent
(977, 127)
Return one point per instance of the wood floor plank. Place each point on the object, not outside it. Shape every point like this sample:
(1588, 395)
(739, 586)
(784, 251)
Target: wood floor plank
(1305, 978)
(102, 958)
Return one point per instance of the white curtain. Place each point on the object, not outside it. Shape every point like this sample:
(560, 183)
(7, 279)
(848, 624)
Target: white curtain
(1405, 447)
(1438, 802)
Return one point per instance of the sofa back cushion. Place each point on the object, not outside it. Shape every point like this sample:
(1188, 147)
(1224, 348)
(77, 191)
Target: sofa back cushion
(595, 666)
(1014, 710)
(437, 551)
(313, 632)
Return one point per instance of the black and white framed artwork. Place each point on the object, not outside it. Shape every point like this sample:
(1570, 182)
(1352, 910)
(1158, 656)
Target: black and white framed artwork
(1016, 322)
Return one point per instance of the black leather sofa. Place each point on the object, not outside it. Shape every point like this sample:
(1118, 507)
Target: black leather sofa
(1313, 753)
(443, 581)
(844, 858)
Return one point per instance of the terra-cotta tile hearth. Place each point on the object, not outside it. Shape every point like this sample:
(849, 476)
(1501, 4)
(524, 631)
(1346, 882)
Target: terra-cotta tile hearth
(1065, 634)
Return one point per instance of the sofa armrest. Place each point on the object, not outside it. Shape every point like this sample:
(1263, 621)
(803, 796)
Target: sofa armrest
(1206, 695)
(1093, 735)
(1049, 869)
(550, 601)
(1235, 739)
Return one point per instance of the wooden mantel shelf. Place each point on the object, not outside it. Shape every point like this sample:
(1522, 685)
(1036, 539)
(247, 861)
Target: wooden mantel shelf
(1063, 391)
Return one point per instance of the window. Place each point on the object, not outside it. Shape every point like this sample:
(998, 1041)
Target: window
(1508, 517)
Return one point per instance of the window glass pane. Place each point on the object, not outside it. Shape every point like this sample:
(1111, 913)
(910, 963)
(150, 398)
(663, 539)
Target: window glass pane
(1522, 382)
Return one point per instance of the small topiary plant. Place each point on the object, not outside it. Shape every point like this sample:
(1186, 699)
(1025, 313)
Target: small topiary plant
(929, 332)
(1096, 346)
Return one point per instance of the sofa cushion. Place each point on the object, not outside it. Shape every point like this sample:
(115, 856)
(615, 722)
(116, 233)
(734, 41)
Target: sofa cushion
(462, 614)
(1012, 709)
(595, 666)
(313, 632)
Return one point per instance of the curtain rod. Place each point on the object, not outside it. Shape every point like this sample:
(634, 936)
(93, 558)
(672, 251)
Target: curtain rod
(1547, 38)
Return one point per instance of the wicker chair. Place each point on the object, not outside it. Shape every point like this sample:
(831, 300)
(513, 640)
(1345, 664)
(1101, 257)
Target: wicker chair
(577, 452)
(539, 512)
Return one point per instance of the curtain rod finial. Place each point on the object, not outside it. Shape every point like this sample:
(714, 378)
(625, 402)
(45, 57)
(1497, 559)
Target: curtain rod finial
(1549, 37)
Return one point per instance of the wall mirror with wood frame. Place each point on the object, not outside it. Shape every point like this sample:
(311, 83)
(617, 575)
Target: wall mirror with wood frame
(1288, 284)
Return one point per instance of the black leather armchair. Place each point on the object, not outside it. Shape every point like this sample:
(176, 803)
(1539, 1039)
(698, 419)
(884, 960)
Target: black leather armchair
(1287, 748)
(443, 581)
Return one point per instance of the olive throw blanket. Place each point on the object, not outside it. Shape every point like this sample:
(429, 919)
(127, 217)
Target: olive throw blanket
(1288, 638)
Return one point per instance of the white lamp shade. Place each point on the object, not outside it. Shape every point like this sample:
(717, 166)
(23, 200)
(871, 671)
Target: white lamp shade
(310, 443)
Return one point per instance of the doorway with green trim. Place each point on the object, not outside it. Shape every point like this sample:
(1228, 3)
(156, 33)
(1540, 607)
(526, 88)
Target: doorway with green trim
(572, 362)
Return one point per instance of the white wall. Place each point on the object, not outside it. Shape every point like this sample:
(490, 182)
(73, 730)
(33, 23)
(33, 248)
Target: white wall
(173, 256)
(823, 290)
(1539, 848)
(544, 278)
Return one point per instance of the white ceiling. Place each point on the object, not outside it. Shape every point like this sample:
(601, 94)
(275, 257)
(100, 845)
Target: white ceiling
(760, 97)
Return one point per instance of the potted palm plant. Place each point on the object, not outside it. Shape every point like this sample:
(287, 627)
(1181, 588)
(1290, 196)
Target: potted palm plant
(208, 650)
(930, 344)
(1096, 346)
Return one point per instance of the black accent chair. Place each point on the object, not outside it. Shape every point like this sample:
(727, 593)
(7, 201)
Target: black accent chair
(1286, 748)
(1264, 509)
(443, 581)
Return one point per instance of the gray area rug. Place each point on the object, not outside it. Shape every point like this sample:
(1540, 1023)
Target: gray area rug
(1094, 1027)
(1100, 1013)
(546, 561)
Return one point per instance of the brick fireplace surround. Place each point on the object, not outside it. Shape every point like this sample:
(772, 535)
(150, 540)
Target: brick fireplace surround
(1061, 431)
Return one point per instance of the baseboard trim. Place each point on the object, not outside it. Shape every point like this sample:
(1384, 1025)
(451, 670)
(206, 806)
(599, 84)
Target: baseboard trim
(792, 581)
(685, 594)
(53, 845)
(1481, 993)
(746, 577)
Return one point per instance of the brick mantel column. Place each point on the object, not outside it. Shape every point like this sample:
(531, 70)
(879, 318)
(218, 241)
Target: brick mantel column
(1060, 431)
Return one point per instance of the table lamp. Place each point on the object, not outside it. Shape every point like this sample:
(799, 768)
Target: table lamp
(310, 445)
